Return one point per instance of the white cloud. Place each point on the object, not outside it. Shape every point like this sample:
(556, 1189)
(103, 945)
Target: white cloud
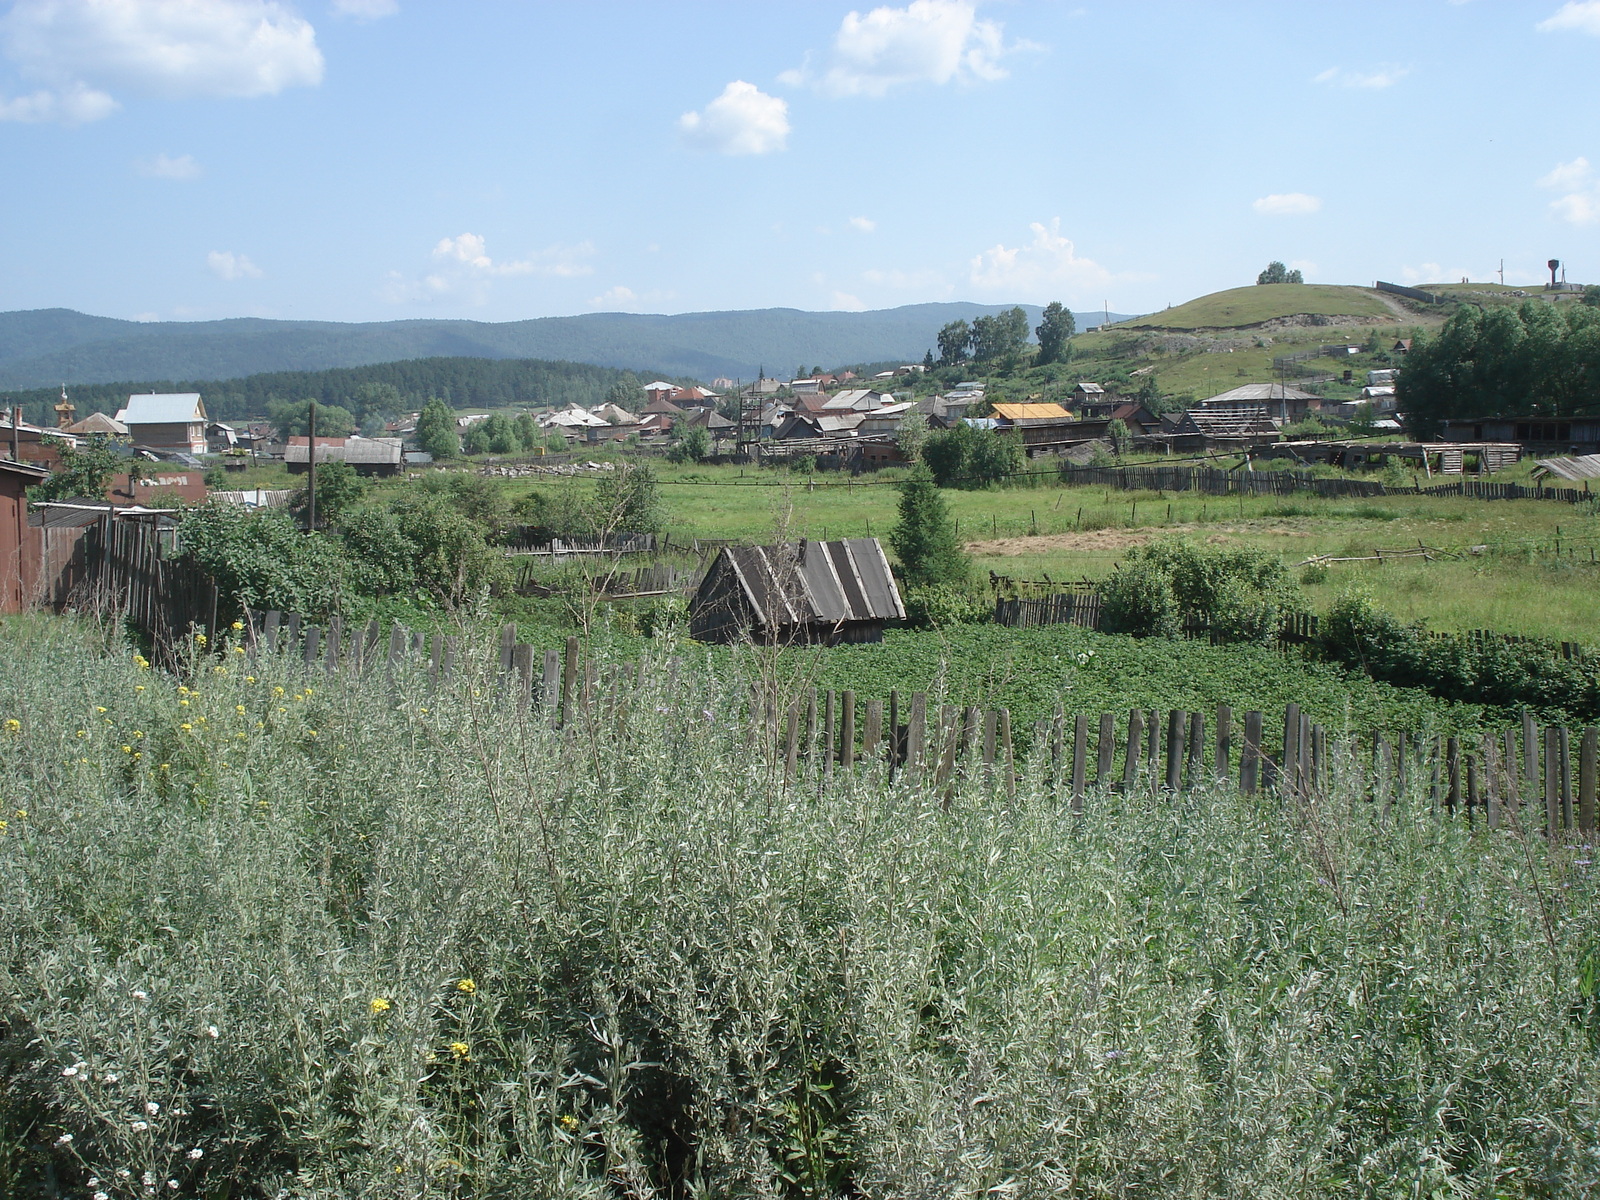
(1581, 15)
(863, 224)
(1049, 263)
(81, 51)
(164, 166)
(845, 302)
(74, 104)
(465, 267)
(469, 251)
(1580, 205)
(225, 264)
(1287, 204)
(618, 297)
(928, 41)
(1386, 75)
(366, 10)
(743, 120)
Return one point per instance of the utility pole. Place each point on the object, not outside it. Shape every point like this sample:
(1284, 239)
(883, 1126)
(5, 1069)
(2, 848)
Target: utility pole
(1502, 272)
(311, 470)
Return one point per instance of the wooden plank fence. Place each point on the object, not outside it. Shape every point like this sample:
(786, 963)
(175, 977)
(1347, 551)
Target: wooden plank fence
(1215, 481)
(1529, 778)
(126, 568)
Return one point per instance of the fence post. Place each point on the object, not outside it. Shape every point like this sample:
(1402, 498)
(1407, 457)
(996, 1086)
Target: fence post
(270, 633)
(1588, 750)
(1290, 775)
(1197, 750)
(313, 643)
(1175, 732)
(569, 681)
(1552, 788)
(847, 730)
(827, 735)
(917, 732)
(1452, 766)
(1130, 760)
(1566, 777)
(1318, 781)
(508, 644)
(335, 643)
(1106, 749)
(791, 743)
(1221, 766)
(990, 722)
(895, 746)
(397, 644)
(1008, 761)
(1080, 759)
(1473, 798)
(1250, 754)
(873, 733)
(447, 668)
(522, 660)
(1152, 748)
(1530, 758)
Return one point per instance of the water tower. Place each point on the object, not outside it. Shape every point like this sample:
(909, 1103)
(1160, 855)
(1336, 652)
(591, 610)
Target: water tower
(1554, 264)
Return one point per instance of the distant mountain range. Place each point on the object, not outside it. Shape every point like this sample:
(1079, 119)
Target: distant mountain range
(45, 347)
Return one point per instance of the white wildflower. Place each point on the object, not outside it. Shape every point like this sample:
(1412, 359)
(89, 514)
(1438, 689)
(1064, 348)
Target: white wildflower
(149, 1179)
(212, 1032)
(64, 1140)
(140, 994)
(196, 1152)
(101, 1196)
(151, 1107)
(69, 1072)
(140, 1126)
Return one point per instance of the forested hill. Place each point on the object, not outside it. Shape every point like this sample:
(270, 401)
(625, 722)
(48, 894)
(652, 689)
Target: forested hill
(46, 347)
(463, 382)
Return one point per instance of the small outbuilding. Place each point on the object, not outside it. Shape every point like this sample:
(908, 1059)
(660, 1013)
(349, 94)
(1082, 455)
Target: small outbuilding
(799, 592)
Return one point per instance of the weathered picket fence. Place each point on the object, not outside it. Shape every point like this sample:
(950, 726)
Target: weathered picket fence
(1535, 777)
(1215, 481)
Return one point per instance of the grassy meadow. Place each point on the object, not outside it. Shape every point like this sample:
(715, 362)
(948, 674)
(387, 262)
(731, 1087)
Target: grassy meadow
(1515, 584)
(266, 933)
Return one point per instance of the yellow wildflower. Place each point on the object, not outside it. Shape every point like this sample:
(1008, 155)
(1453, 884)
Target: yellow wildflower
(182, 691)
(186, 727)
(236, 626)
(13, 725)
(312, 732)
(137, 734)
(166, 766)
(2, 826)
(277, 691)
(219, 670)
(249, 678)
(138, 687)
(569, 1122)
(467, 986)
(239, 708)
(183, 704)
(199, 639)
(127, 749)
(461, 1050)
(379, 1005)
(99, 708)
(238, 649)
(22, 814)
(83, 733)
(308, 691)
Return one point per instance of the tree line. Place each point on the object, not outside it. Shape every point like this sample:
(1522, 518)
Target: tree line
(380, 388)
(1538, 360)
(1001, 340)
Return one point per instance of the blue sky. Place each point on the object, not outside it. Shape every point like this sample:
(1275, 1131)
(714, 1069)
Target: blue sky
(382, 159)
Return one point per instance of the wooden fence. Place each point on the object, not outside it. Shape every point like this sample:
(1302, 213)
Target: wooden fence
(1528, 777)
(125, 566)
(1215, 481)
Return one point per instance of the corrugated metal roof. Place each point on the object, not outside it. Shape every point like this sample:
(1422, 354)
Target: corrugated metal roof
(810, 581)
(1032, 412)
(163, 408)
(99, 423)
(1255, 393)
(354, 450)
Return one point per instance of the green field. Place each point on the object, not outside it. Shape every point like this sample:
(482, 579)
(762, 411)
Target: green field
(1516, 584)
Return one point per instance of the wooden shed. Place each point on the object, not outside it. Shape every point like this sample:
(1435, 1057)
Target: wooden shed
(807, 592)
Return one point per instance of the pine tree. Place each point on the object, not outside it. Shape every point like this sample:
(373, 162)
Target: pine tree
(924, 539)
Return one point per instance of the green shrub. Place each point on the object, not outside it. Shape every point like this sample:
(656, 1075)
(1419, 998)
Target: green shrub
(938, 605)
(1241, 595)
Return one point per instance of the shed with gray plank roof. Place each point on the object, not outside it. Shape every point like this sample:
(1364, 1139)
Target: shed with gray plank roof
(808, 591)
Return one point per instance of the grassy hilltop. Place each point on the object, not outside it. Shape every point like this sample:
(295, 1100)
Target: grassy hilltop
(1242, 307)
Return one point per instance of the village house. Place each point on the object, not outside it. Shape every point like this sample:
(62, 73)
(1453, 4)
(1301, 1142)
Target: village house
(171, 422)
(857, 400)
(19, 544)
(1281, 402)
(806, 592)
(367, 456)
(1577, 435)
(25, 442)
(98, 425)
